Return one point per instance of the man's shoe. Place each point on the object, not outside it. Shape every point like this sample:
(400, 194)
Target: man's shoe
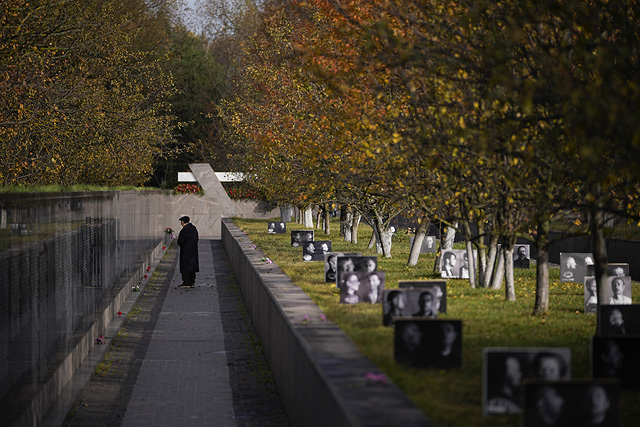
(192, 286)
(184, 285)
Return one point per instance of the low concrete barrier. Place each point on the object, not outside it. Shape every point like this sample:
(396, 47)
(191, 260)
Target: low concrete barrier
(320, 373)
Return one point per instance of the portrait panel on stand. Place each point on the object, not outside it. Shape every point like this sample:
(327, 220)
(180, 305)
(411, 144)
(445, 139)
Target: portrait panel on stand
(274, 227)
(355, 263)
(437, 287)
(362, 287)
(521, 256)
(573, 266)
(298, 237)
(412, 302)
(315, 250)
(504, 369)
(429, 244)
(616, 356)
(590, 295)
(331, 264)
(571, 403)
(613, 269)
(619, 319)
(617, 291)
(428, 343)
(454, 263)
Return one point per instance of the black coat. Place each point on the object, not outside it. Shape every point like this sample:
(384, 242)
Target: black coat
(188, 242)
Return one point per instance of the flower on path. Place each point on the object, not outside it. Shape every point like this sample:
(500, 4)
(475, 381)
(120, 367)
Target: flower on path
(306, 319)
(100, 340)
(373, 378)
(266, 260)
(323, 317)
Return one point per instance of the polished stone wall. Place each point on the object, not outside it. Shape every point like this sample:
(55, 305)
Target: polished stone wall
(63, 259)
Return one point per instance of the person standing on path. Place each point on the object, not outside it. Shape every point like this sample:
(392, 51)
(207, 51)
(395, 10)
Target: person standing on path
(188, 242)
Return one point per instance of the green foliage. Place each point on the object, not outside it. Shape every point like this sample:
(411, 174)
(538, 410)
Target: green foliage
(80, 104)
(449, 398)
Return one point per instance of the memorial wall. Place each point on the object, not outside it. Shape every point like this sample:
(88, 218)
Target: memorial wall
(63, 259)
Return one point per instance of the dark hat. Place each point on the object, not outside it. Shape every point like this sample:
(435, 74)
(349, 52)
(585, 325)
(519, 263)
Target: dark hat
(184, 219)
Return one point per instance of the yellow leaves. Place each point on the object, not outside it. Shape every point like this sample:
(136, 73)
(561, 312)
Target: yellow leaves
(461, 123)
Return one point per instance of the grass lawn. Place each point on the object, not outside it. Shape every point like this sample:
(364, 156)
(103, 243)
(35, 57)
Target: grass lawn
(450, 398)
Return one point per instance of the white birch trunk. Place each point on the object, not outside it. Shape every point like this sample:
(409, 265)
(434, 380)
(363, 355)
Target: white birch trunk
(308, 217)
(498, 275)
(508, 267)
(354, 227)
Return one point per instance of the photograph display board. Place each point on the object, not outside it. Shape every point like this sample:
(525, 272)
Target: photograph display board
(613, 269)
(506, 367)
(521, 256)
(298, 237)
(616, 357)
(331, 264)
(428, 343)
(276, 227)
(455, 265)
(619, 319)
(573, 266)
(350, 263)
(437, 287)
(362, 287)
(617, 291)
(315, 250)
(412, 302)
(571, 403)
(429, 244)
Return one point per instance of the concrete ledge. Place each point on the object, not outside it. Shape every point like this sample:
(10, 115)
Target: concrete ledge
(319, 371)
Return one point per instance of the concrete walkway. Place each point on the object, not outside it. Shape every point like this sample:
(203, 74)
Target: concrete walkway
(195, 361)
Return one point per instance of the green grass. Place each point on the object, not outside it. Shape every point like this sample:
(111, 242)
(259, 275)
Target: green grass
(449, 398)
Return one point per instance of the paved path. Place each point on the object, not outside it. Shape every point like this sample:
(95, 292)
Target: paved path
(184, 357)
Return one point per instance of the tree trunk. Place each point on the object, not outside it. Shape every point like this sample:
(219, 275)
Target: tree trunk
(354, 228)
(347, 224)
(450, 236)
(599, 252)
(285, 213)
(421, 232)
(320, 217)
(482, 256)
(344, 210)
(491, 260)
(470, 257)
(308, 217)
(383, 236)
(542, 269)
(373, 240)
(510, 290)
(498, 275)
(327, 220)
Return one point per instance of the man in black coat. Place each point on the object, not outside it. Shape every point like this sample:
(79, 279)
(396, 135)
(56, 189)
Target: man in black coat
(188, 242)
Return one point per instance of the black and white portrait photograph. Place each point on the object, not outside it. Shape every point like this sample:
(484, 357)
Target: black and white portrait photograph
(521, 256)
(357, 263)
(506, 367)
(616, 357)
(590, 295)
(331, 265)
(276, 227)
(619, 319)
(454, 263)
(394, 305)
(315, 250)
(362, 287)
(437, 287)
(613, 269)
(573, 266)
(571, 403)
(449, 267)
(429, 244)
(298, 237)
(426, 301)
(617, 291)
(428, 343)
